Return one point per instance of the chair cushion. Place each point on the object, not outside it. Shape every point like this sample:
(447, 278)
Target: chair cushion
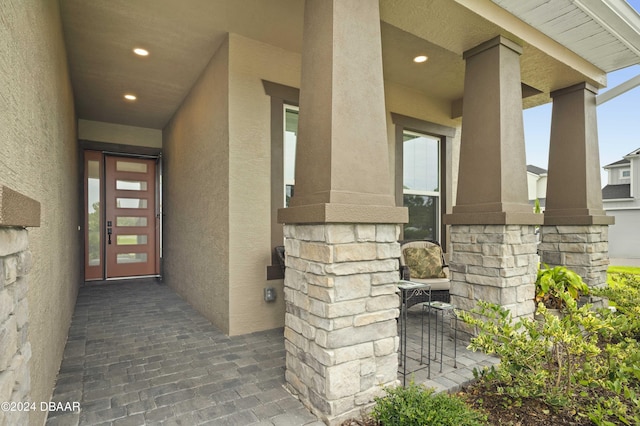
(437, 284)
(424, 262)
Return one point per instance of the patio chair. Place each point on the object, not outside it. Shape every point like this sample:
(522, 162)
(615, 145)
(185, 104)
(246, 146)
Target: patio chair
(423, 261)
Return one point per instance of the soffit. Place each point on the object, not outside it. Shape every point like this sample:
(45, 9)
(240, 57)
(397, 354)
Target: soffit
(604, 32)
(183, 36)
(460, 25)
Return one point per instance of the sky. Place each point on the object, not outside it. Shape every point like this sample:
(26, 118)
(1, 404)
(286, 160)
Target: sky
(618, 122)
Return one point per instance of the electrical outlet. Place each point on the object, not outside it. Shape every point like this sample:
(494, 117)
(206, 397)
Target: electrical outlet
(269, 294)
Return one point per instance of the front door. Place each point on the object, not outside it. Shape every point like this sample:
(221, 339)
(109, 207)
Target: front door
(122, 236)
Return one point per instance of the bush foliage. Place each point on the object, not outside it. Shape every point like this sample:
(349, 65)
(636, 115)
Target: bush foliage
(585, 361)
(417, 405)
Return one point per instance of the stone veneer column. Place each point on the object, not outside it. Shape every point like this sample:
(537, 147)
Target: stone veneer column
(341, 224)
(341, 308)
(493, 250)
(495, 263)
(15, 263)
(575, 232)
(582, 248)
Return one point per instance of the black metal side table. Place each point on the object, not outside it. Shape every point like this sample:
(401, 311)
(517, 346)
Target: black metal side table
(440, 308)
(407, 290)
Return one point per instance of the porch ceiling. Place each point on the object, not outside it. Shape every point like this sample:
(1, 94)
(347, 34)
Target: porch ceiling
(605, 32)
(183, 35)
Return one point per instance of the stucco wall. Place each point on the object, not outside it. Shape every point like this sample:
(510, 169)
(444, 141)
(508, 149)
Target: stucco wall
(624, 234)
(196, 194)
(118, 133)
(249, 180)
(38, 158)
(249, 171)
(217, 154)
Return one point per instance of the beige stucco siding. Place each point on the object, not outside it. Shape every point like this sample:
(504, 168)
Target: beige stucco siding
(99, 131)
(196, 194)
(39, 159)
(250, 180)
(217, 151)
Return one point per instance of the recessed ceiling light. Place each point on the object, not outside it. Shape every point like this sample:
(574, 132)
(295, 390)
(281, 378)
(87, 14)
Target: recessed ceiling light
(140, 51)
(130, 97)
(419, 59)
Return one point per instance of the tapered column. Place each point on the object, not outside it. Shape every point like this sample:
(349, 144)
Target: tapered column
(574, 194)
(342, 159)
(492, 180)
(493, 250)
(341, 228)
(575, 231)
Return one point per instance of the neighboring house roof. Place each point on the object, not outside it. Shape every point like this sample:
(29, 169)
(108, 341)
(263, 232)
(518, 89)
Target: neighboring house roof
(612, 192)
(536, 170)
(632, 153)
(618, 163)
(604, 32)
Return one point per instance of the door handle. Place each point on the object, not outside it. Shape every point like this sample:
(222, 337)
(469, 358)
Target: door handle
(109, 232)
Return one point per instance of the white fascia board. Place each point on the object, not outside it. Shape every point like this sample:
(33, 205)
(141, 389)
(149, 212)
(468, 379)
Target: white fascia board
(617, 166)
(617, 200)
(618, 18)
(632, 154)
(613, 209)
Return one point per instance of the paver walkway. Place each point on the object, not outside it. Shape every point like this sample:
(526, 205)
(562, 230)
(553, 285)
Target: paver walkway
(138, 354)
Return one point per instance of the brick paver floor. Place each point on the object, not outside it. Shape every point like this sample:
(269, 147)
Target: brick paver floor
(138, 354)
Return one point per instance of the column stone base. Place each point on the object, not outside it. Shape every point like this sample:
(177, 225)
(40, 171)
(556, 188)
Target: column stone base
(494, 263)
(15, 352)
(581, 248)
(341, 307)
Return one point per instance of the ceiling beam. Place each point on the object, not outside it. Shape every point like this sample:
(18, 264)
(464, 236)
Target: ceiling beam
(614, 92)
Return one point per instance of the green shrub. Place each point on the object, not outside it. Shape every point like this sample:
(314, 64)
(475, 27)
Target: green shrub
(623, 292)
(538, 359)
(586, 362)
(554, 285)
(417, 405)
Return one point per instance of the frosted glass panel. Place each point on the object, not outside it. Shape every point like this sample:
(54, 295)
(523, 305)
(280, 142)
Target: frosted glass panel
(131, 240)
(132, 258)
(131, 221)
(131, 203)
(128, 166)
(131, 185)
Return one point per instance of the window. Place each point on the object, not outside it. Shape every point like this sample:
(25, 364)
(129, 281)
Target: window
(625, 174)
(422, 180)
(289, 150)
(421, 185)
(284, 132)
